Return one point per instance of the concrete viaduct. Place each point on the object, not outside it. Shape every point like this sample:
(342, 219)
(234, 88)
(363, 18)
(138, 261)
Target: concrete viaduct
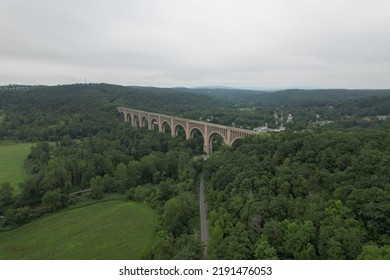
(149, 120)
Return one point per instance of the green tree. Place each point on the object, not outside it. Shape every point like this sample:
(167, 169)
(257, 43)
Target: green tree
(188, 247)
(373, 252)
(298, 238)
(18, 216)
(236, 246)
(57, 176)
(216, 238)
(134, 173)
(163, 248)
(165, 190)
(40, 155)
(178, 212)
(121, 178)
(340, 235)
(264, 251)
(274, 232)
(6, 196)
(108, 183)
(97, 188)
(372, 205)
(53, 200)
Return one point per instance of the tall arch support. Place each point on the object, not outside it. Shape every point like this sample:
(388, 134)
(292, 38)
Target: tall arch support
(136, 121)
(210, 137)
(176, 129)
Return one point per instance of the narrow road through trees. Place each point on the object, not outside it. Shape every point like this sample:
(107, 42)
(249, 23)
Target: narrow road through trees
(204, 227)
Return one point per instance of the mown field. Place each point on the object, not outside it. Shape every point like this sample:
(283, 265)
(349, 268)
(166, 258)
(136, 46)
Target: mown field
(105, 230)
(12, 158)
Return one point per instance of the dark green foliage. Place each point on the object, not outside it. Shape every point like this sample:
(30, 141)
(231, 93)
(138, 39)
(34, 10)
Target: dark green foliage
(322, 193)
(40, 155)
(308, 195)
(97, 187)
(16, 216)
(373, 252)
(177, 211)
(6, 196)
(54, 200)
(93, 151)
(263, 250)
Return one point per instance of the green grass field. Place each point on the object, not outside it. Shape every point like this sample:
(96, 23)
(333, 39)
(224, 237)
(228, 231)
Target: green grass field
(12, 158)
(106, 230)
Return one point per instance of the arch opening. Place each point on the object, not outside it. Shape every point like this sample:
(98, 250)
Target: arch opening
(236, 143)
(154, 125)
(128, 117)
(216, 140)
(145, 123)
(196, 141)
(122, 116)
(180, 132)
(136, 121)
(166, 127)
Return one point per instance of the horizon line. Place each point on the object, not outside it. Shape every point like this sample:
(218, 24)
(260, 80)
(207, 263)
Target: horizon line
(210, 87)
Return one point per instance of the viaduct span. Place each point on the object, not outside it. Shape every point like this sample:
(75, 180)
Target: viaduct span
(149, 120)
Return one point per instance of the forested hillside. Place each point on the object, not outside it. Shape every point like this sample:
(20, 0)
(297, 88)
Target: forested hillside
(318, 190)
(47, 113)
(306, 195)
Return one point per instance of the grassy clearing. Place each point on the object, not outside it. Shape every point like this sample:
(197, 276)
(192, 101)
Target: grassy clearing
(107, 230)
(12, 158)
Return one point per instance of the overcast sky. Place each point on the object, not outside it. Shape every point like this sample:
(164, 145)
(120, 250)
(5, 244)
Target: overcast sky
(237, 43)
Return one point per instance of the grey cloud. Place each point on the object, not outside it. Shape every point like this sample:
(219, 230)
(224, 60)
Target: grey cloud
(247, 43)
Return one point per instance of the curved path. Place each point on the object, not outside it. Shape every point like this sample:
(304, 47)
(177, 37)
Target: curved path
(204, 227)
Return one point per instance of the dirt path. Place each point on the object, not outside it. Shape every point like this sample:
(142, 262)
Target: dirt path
(204, 227)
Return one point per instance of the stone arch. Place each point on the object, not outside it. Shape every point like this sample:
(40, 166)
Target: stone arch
(164, 125)
(234, 140)
(191, 132)
(197, 135)
(210, 138)
(127, 117)
(122, 116)
(154, 125)
(145, 122)
(177, 128)
(136, 122)
(219, 133)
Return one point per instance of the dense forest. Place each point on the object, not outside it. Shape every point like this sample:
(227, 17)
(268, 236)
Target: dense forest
(318, 190)
(305, 195)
